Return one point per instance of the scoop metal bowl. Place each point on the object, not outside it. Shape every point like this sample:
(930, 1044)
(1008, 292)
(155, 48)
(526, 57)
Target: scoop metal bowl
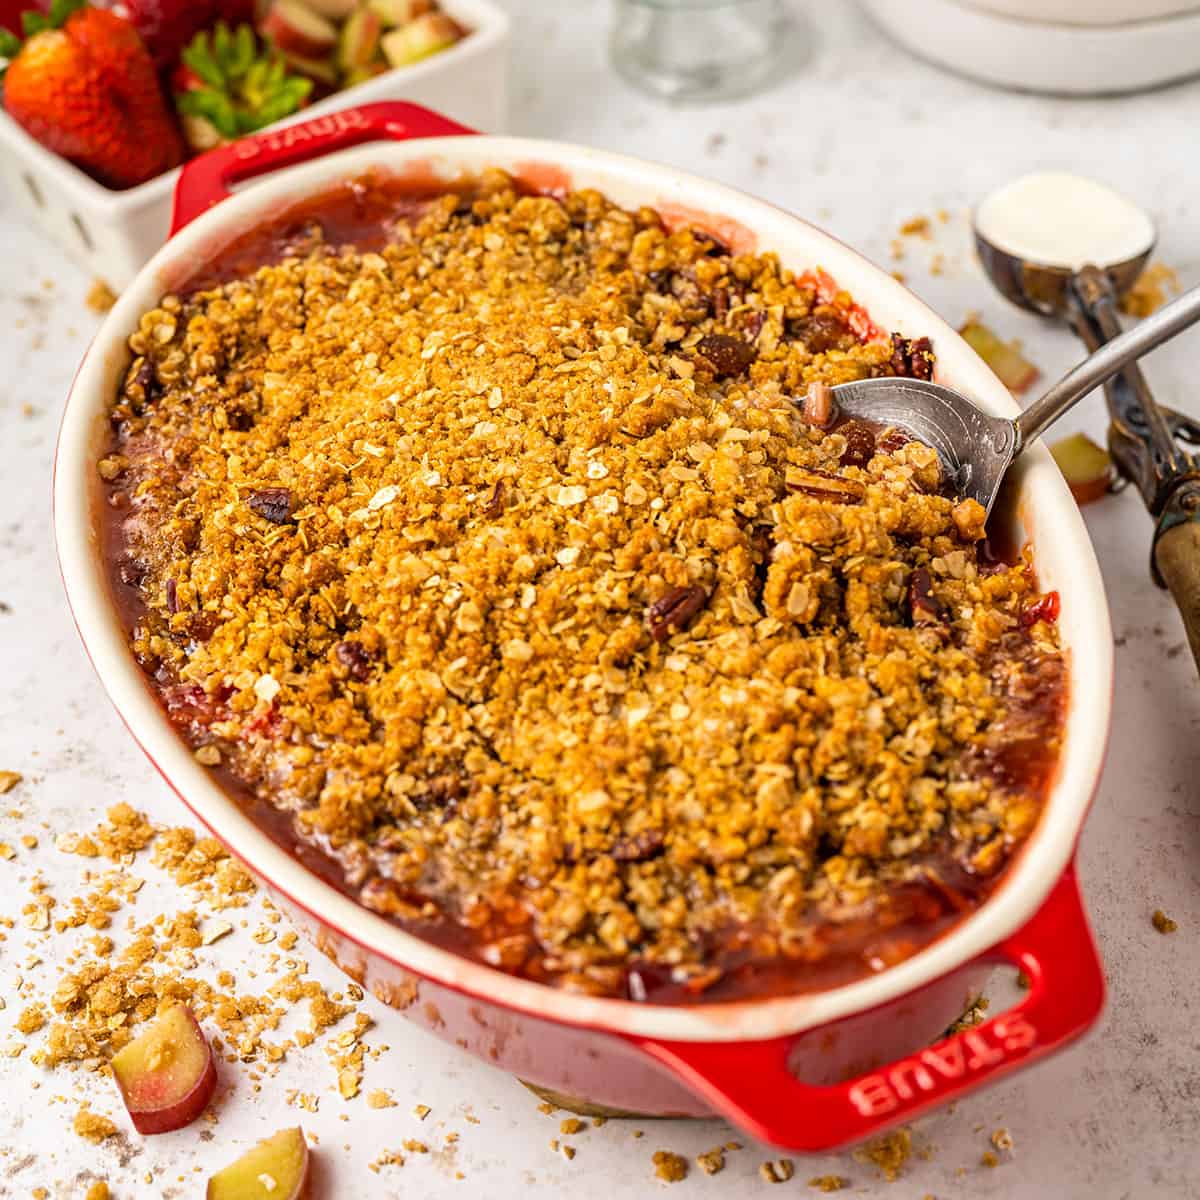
(977, 449)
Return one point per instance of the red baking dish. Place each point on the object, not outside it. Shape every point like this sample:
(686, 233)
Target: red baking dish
(806, 1071)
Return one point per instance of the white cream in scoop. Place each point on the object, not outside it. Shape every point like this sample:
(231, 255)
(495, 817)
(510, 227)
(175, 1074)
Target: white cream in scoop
(1056, 219)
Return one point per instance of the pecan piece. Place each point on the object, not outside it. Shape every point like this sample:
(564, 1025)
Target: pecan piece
(824, 485)
(714, 247)
(922, 604)
(640, 847)
(912, 357)
(441, 791)
(860, 444)
(892, 440)
(726, 354)
(495, 502)
(273, 503)
(674, 611)
(356, 658)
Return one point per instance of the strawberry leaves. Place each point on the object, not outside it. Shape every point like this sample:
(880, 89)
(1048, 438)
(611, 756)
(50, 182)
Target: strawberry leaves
(234, 86)
(38, 22)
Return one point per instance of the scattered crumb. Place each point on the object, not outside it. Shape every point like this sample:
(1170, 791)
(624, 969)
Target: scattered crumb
(779, 1171)
(98, 1191)
(974, 1015)
(916, 227)
(380, 1098)
(989, 1159)
(828, 1183)
(31, 1019)
(668, 1166)
(93, 1126)
(1149, 293)
(711, 1161)
(547, 1108)
(889, 1153)
(1162, 922)
(389, 1158)
(9, 780)
(101, 297)
(1002, 1139)
(571, 1125)
(415, 1147)
(568, 1151)
(422, 1111)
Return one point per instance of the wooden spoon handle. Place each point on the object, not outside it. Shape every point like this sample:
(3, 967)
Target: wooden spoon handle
(1177, 556)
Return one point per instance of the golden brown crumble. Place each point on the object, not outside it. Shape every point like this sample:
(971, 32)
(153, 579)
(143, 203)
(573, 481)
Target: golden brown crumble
(669, 1166)
(1149, 293)
(889, 1153)
(828, 1183)
(712, 1162)
(98, 1191)
(93, 1126)
(501, 561)
(9, 780)
(1162, 922)
(777, 1171)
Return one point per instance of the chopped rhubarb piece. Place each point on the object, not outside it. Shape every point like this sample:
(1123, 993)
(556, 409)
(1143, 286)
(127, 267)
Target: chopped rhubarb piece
(276, 1169)
(1086, 467)
(167, 1075)
(1016, 372)
(395, 13)
(297, 29)
(335, 10)
(419, 39)
(359, 43)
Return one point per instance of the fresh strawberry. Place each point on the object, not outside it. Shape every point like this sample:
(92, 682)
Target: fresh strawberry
(84, 86)
(226, 86)
(167, 26)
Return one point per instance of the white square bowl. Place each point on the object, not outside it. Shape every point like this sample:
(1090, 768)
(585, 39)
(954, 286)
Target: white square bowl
(112, 234)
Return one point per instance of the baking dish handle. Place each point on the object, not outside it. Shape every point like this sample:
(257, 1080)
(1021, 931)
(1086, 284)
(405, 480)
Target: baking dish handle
(752, 1085)
(205, 180)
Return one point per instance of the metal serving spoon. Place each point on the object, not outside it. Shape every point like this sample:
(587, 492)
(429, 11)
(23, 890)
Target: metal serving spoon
(976, 449)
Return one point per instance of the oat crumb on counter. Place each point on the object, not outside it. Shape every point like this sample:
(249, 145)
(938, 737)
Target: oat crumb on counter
(1002, 1139)
(777, 1170)
(916, 227)
(422, 1111)
(380, 1098)
(669, 1166)
(9, 780)
(93, 1126)
(98, 1191)
(989, 1159)
(100, 297)
(828, 1183)
(711, 1162)
(1162, 922)
(571, 1125)
(889, 1153)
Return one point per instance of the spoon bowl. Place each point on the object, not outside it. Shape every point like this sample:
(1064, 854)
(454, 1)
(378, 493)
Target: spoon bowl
(977, 449)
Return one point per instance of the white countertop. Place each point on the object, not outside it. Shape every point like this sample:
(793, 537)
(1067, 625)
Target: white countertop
(859, 139)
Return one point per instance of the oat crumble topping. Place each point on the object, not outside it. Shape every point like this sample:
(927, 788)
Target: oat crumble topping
(499, 561)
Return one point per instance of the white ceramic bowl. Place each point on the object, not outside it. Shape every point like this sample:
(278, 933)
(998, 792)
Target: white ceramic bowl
(1067, 47)
(113, 234)
(739, 1058)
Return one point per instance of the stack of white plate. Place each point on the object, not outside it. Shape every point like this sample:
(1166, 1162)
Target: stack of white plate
(1080, 47)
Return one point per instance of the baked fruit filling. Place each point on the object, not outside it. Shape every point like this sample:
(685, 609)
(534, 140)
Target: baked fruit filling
(495, 566)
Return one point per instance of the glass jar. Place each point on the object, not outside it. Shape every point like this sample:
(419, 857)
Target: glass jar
(700, 49)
